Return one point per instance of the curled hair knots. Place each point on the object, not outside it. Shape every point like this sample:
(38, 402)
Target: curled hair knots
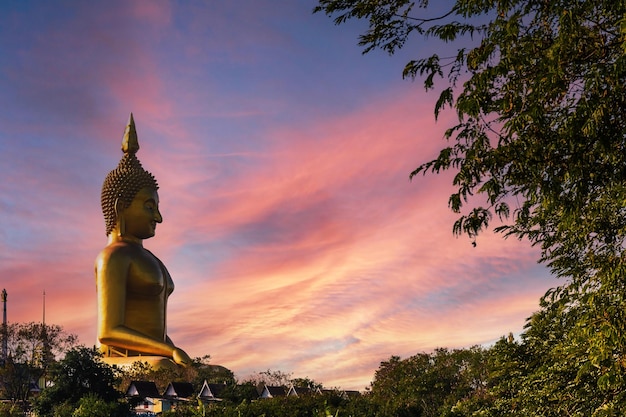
(123, 183)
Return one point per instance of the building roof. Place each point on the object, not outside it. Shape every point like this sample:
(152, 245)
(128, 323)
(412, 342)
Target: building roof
(273, 391)
(342, 393)
(143, 389)
(179, 390)
(33, 387)
(299, 391)
(211, 391)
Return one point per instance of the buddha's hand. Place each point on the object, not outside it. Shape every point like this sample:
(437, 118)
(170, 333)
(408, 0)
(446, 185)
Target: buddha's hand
(180, 357)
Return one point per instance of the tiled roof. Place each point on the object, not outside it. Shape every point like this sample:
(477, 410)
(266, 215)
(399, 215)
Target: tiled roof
(275, 391)
(142, 389)
(179, 390)
(297, 391)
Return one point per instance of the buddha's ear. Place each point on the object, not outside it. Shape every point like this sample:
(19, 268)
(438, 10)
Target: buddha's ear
(119, 207)
(121, 224)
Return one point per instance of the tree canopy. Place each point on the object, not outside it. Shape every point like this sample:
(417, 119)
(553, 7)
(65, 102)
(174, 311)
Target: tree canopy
(426, 384)
(31, 349)
(80, 374)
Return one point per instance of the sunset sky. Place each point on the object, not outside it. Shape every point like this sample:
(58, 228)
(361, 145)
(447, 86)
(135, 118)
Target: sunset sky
(291, 229)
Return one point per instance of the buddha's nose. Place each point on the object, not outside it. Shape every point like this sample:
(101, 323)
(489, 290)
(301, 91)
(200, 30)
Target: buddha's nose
(157, 217)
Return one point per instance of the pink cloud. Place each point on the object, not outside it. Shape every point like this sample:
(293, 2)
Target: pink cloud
(158, 14)
(351, 275)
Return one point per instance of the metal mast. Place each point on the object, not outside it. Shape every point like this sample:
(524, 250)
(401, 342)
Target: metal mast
(5, 348)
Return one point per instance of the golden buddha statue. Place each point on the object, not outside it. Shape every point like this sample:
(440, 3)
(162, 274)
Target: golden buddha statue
(132, 284)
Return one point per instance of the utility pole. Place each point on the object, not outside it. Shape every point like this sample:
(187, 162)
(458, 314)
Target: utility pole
(45, 345)
(5, 335)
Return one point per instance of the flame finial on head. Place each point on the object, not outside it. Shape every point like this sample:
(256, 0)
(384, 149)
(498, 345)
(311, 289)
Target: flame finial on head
(130, 143)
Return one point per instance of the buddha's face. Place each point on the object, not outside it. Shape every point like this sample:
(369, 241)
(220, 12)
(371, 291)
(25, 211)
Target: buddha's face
(142, 216)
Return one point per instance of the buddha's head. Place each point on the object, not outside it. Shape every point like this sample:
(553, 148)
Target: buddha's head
(123, 183)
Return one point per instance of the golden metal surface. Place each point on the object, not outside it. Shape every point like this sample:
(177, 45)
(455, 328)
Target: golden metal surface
(132, 284)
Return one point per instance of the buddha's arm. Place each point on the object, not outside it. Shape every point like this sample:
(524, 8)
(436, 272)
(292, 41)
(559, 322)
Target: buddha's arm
(112, 268)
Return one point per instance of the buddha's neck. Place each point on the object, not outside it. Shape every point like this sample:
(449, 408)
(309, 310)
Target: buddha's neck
(114, 237)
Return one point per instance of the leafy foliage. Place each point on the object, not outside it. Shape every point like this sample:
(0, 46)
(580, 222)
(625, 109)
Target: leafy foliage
(305, 406)
(10, 410)
(273, 378)
(428, 384)
(239, 393)
(213, 374)
(305, 383)
(143, 371)
(80, 374)
(31, 349)
(93, 406)
(185, 410)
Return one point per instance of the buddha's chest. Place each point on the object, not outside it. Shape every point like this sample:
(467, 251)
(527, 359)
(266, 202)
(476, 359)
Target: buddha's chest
(147, 276)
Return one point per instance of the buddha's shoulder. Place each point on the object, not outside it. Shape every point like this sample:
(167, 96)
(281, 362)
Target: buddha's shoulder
(120, 251)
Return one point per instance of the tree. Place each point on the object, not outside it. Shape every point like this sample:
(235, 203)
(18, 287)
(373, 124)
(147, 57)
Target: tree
(81, 373)
(93, 406)
(10, 410)
(540, 142)
(243, 392)
(547, 373)
(428, 384)
(274, 378)
(31, 349)
(199, 371)
(16, 380)
(564, 372)
(306, 383)
(213, 374)
(143, 371)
